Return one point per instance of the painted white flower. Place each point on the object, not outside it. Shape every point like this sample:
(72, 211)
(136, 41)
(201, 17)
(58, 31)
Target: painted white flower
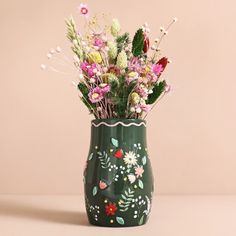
(130, 158)
(131, 178)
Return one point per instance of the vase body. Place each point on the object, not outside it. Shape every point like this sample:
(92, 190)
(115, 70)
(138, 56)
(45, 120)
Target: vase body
(118, 180)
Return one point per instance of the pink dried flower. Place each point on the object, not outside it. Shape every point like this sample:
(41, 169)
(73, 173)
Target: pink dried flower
(157, 69)
(142, 91)
(135, 65)
(98, 42)
(105, 88)
(89, 69)
(96, 95)
(83, 8)
(146, 107)
(168, 88)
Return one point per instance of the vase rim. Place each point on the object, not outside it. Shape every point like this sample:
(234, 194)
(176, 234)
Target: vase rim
(119, 119)
(113, 122)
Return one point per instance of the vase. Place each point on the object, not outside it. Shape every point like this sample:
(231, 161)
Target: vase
(118, 180)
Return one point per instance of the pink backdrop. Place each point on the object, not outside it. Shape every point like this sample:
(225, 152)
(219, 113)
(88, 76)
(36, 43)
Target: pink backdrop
(44, 128)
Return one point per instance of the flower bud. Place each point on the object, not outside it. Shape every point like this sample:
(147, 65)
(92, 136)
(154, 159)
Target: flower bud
(146, 43)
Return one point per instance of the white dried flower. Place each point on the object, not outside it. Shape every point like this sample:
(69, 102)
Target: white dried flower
(153, 47)
(156, 40)
(92, 80)
(138, 110)
(95, 70)
(43, 67)
(81, 76)
(58, 49)
(52, 50)
(175, 19)
(132, 109)
(73, 83)
(49, 55)
(165, 32)
(162, 29)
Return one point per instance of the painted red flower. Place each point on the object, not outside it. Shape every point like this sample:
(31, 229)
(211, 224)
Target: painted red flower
(119, 153)
(102, 185)
(111, 209)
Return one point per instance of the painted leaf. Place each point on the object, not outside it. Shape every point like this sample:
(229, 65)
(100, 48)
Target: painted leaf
(120, 220)
(104, 159)
(126, 200)
(95, 190)
(144, 160)
(115, 142)
(141, 220)
(90, 156)
(140, 183)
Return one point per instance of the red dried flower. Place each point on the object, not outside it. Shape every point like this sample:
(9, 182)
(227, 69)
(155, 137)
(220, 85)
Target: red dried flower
(114, 70)
(111, 209)
(163, 62)
(146, 43)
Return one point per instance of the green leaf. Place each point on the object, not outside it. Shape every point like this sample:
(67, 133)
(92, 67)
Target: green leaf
(95, 190)
(120, 220)
(90, 156)
(138, 42)
(140, 183)
(122, 41)
(115, 142)
(144, 160)
(158, 89)
(141, 220)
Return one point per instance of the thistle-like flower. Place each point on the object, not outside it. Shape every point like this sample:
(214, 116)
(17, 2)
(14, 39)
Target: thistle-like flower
(122, 60)
(115, 27)
(112, 50)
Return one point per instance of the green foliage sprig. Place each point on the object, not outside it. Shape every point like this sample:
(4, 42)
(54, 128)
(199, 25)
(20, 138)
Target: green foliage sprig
(138, 42)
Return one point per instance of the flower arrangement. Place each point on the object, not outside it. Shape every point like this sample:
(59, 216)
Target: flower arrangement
(117, 77)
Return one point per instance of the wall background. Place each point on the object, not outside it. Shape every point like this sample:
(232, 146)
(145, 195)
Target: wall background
(44, 129)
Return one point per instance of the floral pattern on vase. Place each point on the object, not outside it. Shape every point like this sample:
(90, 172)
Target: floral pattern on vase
(118, 177)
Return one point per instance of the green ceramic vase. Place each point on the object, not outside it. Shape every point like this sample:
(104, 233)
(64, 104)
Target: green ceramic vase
(118, 180)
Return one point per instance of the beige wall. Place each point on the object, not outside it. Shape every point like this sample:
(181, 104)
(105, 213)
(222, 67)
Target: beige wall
(44, 129)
